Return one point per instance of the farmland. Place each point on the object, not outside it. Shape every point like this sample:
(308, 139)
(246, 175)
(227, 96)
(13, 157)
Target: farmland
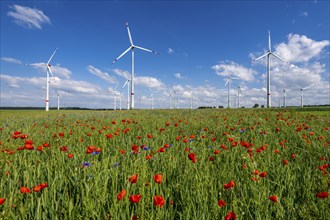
(165, 164)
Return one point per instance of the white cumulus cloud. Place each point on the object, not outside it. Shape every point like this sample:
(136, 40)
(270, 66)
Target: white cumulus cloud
(103, 75)
(300, 48)
(234, 69)
(11, 60)
(28, 17)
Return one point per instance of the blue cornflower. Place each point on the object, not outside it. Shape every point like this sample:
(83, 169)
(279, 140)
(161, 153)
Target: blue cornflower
(86, 164)
(95, 152)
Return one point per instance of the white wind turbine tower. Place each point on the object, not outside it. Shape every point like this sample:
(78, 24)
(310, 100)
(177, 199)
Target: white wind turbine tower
(58, 99)
(127, 84)
(229, 79)
(302, 95)
(115, 103)
(132, 47)
(191, 99)
(239, 92)
(284, 97)
(48, 71)
(268, 68)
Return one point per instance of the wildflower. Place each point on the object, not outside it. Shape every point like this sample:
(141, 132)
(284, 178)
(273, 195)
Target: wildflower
(216, 151)
(85, 164)
(134, 178)
(109, 136)
(63, 148)
(273, 198)
(161, 150)
(221, 203)
(37, 188)
(122, 151)
(148, 157)
(263, 174)
(230, 216)
(25, 190)
(149, 136)
(70, 156)
(322, 195)
(159, 201)
(2, 200)
(135, 198)
(192, 157)
(121, 195)
(229, 185)
(158, 178)
(285, 162)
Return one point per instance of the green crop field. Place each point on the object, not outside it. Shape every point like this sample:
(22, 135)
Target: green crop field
(165, 164)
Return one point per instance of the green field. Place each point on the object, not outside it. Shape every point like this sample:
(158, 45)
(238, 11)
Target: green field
(256, 163)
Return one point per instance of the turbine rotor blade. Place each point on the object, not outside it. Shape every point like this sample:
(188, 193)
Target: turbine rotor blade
(122, 54)
(51, 56)
(125, 83)
(151, 51)
(50, 71)
(262, 56)
(129, 35)
(279, 57)
(227, 82)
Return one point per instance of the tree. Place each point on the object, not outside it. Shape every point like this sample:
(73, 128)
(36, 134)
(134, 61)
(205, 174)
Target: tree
(256, 105)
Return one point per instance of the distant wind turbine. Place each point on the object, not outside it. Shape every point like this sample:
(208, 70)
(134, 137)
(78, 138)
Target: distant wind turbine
(239, 92)
(48, 71)
(58, 99)
(115, 93)
(127, 84)
(302, 95)
(268, 68)
(132, 47)
(229, 79)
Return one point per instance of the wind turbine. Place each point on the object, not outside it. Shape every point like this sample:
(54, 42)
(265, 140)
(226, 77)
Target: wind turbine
(127, 83)
(115, 103)
(239, 92)
(132, 47)
(229, 79)
(268, 68)
(302, 95)
(191, 99)
(58, 100)
(48, 71)
(284, 97)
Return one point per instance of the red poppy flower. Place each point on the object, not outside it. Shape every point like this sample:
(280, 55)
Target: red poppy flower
(37, 188)
(230, 216)
(273, 198)
(70, 156)
(148, 157)
(192, 157)
(221, 203)
(122, 151)
(322, 195)
(25, 190)
(2, 200)
(64, 149)
(109, 136)
(43, 185)
(135, 198)
(149, 136)
(134, 178)
(158, 178)
(216, 151)
(161, 150)
(159, 201)
(263, 174)
(121, 195)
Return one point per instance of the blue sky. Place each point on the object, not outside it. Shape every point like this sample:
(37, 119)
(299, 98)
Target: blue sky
(199, 43)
